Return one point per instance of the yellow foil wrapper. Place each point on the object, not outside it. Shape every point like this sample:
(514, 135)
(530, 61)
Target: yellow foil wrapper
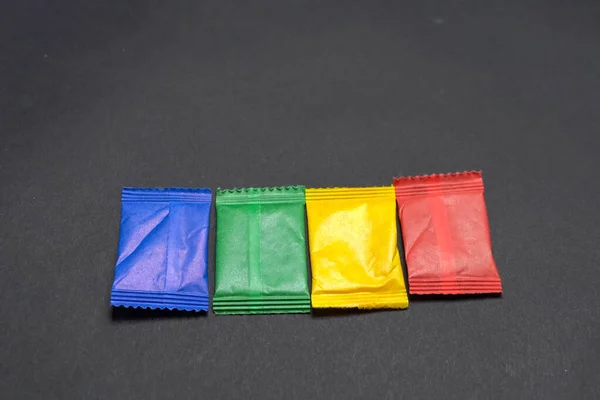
(353, 248)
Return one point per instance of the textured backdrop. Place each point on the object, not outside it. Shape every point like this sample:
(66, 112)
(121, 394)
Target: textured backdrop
(98, 95)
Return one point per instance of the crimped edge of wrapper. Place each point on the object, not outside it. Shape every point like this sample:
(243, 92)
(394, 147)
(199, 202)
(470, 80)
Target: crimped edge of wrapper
(263, 311)
(227, 305)
(159, 300)
(166, 195)
(354, 193)
(265, 195)
(361, 300)
(481, 286)
(427, 185)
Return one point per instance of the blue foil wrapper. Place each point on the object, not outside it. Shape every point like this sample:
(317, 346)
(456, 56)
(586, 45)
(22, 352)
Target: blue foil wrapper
(163, 249)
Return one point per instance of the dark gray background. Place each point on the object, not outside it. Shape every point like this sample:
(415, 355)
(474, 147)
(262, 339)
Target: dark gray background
(96, 95)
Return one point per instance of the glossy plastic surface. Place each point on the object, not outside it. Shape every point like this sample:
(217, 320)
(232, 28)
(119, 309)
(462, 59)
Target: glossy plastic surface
(353, 248)
(261, 252)
(162, 260)
(446, 234)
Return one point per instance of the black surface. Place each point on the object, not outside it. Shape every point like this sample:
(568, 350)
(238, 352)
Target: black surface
(100, 95)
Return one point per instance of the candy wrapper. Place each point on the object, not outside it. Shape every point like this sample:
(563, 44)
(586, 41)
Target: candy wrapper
(446, 234)
(261, 252)
(162, 259)
(353, 248)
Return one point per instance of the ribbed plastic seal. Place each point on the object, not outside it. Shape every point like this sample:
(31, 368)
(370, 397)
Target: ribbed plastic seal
(350, 193)
(282, 194)
(171, 195)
